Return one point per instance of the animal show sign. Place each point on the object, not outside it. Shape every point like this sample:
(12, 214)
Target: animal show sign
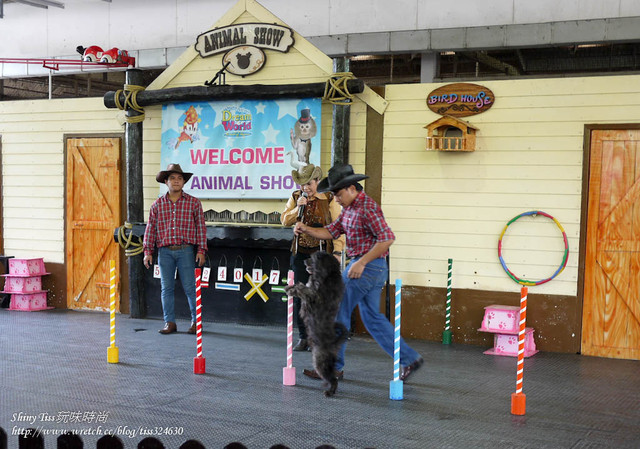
(243, 45)
(241, 148)
(460, 99)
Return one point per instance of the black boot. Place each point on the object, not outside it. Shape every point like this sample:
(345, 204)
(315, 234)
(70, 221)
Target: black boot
(301, 345)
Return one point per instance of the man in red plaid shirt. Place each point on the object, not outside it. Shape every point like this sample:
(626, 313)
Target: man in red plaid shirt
(176, 227)
(368, 238)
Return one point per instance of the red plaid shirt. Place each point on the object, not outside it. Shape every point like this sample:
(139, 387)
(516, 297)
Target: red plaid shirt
(178, 223)
(364, 225)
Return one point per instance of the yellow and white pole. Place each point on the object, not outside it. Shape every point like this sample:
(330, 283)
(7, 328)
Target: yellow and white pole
(112, 351)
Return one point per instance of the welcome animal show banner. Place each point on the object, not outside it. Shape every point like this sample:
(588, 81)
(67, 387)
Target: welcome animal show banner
(241, 148)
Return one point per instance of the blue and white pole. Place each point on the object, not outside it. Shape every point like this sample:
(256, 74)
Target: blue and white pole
(395, 386)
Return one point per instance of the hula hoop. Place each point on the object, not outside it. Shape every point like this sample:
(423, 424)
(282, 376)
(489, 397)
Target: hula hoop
(564, 257)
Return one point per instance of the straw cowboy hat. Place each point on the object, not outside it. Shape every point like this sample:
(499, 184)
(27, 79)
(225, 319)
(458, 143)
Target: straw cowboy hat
(306, 174)
(162, 176)
(339, 177)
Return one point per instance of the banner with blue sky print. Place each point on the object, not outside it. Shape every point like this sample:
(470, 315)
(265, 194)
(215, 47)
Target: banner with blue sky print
(241, 148)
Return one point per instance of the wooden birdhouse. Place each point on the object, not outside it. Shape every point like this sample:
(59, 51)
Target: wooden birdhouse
(451, 134)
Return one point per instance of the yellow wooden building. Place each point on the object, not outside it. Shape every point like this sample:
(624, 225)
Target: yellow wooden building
(566, 146)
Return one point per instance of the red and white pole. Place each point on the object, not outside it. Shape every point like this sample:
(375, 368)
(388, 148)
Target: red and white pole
(519, 399)
(289, 371)
(199, 362)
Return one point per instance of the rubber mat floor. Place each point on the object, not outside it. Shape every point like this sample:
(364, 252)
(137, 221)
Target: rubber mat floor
(55, 378)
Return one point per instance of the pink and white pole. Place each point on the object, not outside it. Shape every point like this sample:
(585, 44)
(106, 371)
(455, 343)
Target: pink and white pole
(199, 362)
(289, 371)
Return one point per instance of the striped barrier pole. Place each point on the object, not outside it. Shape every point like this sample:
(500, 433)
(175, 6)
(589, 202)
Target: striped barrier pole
(446, 335)
(519, 399)
(289, 371)
(395, 385)
(112, 350)
(199, 362)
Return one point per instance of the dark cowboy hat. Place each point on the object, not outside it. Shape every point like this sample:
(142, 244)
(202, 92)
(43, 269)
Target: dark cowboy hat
(339, 177)
(162, 176)
(306, 174)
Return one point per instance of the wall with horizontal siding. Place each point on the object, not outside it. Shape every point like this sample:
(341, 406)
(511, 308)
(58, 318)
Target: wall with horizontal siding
(529, 156)
(33, 169)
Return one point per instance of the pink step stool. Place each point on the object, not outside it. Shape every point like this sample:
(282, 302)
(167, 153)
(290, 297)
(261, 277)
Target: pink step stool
(504, 322)
(501, 319)
(507, 344)
(22, 284)
(29, 302)
(27, 267)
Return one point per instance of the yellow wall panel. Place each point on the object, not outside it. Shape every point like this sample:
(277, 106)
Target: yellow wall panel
(529, 155)
(33, 166)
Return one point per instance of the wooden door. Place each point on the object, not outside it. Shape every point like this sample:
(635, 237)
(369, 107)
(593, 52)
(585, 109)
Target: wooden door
(611, 313)
(93, 212)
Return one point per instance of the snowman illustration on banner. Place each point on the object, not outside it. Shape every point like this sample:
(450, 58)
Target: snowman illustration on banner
(302, 132)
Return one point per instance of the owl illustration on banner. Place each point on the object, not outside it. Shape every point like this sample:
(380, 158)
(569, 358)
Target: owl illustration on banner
(189, 127)
(304, 129)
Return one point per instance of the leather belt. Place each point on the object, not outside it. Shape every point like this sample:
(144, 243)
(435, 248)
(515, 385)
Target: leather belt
(177, 247)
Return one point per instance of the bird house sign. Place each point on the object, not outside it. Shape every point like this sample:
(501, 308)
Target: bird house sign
(460, 99)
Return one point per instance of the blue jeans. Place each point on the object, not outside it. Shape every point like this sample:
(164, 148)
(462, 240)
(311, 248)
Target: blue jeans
(365, 292)
(185, 261)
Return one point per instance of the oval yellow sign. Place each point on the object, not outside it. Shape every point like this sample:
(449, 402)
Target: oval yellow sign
(460, 99)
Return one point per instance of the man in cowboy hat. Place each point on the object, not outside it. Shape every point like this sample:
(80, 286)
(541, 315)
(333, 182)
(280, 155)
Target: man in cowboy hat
(368, 240)
(176, 227)
(317, 209)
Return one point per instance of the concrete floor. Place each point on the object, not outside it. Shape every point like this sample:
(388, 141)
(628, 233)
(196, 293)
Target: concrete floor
(54, 369)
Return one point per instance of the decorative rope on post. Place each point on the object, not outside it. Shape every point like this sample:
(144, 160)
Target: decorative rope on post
(130, 102)
(446, 335)
(199, 362)
(131, 247)
(395, 386)
(519, 399)
(336, 91)
(289, 371)
(112, 350)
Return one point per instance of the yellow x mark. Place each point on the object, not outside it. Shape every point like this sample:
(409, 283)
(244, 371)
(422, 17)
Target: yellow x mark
(256, 287)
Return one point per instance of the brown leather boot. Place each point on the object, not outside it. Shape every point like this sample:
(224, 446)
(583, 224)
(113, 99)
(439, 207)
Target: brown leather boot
(192, 329)
(169, 328)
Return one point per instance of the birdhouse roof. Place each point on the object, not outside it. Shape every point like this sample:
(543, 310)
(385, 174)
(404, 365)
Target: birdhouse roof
(448, 120)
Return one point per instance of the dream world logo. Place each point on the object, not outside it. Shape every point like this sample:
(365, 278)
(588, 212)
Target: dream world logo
(236, 122)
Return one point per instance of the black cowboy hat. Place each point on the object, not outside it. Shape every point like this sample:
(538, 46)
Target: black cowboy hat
(162, 176)
(339, 177)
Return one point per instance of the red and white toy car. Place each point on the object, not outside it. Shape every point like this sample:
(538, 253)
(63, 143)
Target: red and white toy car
(90, 54)
(111, 56)
(116, 55)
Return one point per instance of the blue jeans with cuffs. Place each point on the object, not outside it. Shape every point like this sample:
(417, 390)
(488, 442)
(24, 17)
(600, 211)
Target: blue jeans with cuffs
(184, 260)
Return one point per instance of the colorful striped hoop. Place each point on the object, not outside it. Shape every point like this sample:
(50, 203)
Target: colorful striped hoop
(534, 213)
